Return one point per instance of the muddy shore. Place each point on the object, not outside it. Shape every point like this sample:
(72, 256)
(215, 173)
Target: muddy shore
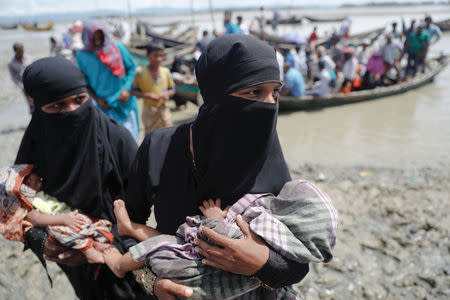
(393, 240)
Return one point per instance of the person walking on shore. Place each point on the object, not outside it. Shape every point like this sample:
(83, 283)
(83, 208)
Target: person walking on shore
(16, 66)
(109, 70)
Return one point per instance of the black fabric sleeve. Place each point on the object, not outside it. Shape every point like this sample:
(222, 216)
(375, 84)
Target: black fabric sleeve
(279, 272)
(138, 188)
(127, 148)
(25, 154)
(35, 239)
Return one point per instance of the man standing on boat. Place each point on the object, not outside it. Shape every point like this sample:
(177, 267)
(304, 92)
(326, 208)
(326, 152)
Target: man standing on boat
(417, 48)
(433, 30)
(230, 27)
(16, 66)
(294, 85)
(391, 52)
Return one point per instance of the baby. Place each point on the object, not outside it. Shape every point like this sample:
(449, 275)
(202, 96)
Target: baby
(23, 206)
(300, 224)
(121, 264)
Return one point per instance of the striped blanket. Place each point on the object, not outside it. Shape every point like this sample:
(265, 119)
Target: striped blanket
(300, 224)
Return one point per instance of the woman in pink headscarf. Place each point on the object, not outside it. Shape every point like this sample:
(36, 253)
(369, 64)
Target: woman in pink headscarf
(109, 71)
(374, 71)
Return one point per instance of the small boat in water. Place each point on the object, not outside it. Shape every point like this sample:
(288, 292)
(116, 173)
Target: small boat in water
(323, 20)
(36, 27)
(443, 25)
(288, 103)
(8, 26)
(288, 21)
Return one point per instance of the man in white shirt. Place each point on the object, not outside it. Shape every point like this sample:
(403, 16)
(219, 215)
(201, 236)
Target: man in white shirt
(243, 28)
(322, 88)
(391, 52)
(322, 55)
(280, 59)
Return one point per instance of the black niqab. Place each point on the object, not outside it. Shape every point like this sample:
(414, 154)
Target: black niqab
(71, 150)
(235, 138)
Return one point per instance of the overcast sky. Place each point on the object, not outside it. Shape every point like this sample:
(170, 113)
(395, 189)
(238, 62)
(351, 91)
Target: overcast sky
(30, 7)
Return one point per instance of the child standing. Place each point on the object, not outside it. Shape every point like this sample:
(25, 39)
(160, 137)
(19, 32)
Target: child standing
(23, 206)
(156, 88)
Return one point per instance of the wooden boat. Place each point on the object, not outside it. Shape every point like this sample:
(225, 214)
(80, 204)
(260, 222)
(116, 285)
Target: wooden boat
(359, 37)
(289, 21)
(188, 36)
(288, 103)
(444, 25)
(173, 24)
(171, 30)
(8, 26)
(35, 27)
(271, 38)
(144, 28)
(323, 20)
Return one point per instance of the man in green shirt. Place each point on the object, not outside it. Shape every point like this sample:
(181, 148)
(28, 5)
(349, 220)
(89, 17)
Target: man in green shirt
(417, 47)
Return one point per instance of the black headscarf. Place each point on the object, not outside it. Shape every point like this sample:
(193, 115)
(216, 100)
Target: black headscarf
(74, 152)
(235, 141)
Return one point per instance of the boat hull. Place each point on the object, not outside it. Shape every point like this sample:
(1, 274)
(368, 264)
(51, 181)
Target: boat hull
(288, 103)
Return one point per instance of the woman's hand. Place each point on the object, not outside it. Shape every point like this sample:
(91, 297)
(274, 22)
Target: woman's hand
(102, 103)
(62, 255)
(124, 96)
(166, 289)
(244, 256)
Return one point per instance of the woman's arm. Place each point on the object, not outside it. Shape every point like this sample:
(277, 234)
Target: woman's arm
(250, 256)
(138, 188)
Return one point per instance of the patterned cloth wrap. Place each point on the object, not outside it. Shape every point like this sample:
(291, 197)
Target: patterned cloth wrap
(300, 224)
(13, 201)
(17, 199)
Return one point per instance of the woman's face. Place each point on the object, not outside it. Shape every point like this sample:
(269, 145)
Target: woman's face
(265, 92)
(98, 38)
(67, 104)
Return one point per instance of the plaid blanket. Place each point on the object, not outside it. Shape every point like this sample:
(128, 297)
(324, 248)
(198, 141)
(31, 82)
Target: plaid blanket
(300, 224)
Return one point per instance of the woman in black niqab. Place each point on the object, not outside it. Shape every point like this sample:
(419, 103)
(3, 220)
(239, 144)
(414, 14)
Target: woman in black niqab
(82, 157)
(230, 149)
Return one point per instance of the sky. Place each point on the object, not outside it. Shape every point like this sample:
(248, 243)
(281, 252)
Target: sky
(32, 7)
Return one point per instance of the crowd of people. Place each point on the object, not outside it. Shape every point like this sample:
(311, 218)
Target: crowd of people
(113, 79)
(340, 66)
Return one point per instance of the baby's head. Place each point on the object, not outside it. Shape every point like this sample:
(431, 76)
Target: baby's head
(33, 181)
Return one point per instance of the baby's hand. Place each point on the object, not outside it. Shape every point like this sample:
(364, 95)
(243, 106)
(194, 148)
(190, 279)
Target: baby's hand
(211, 209)
(73, 219)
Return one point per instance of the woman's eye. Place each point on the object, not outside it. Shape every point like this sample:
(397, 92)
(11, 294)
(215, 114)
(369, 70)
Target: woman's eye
(57, 106)
(79, 100)
(254, 93)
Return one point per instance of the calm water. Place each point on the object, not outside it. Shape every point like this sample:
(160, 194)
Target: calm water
(409, 131)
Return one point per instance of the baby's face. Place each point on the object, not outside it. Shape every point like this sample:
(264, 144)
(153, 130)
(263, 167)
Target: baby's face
(33, 181)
